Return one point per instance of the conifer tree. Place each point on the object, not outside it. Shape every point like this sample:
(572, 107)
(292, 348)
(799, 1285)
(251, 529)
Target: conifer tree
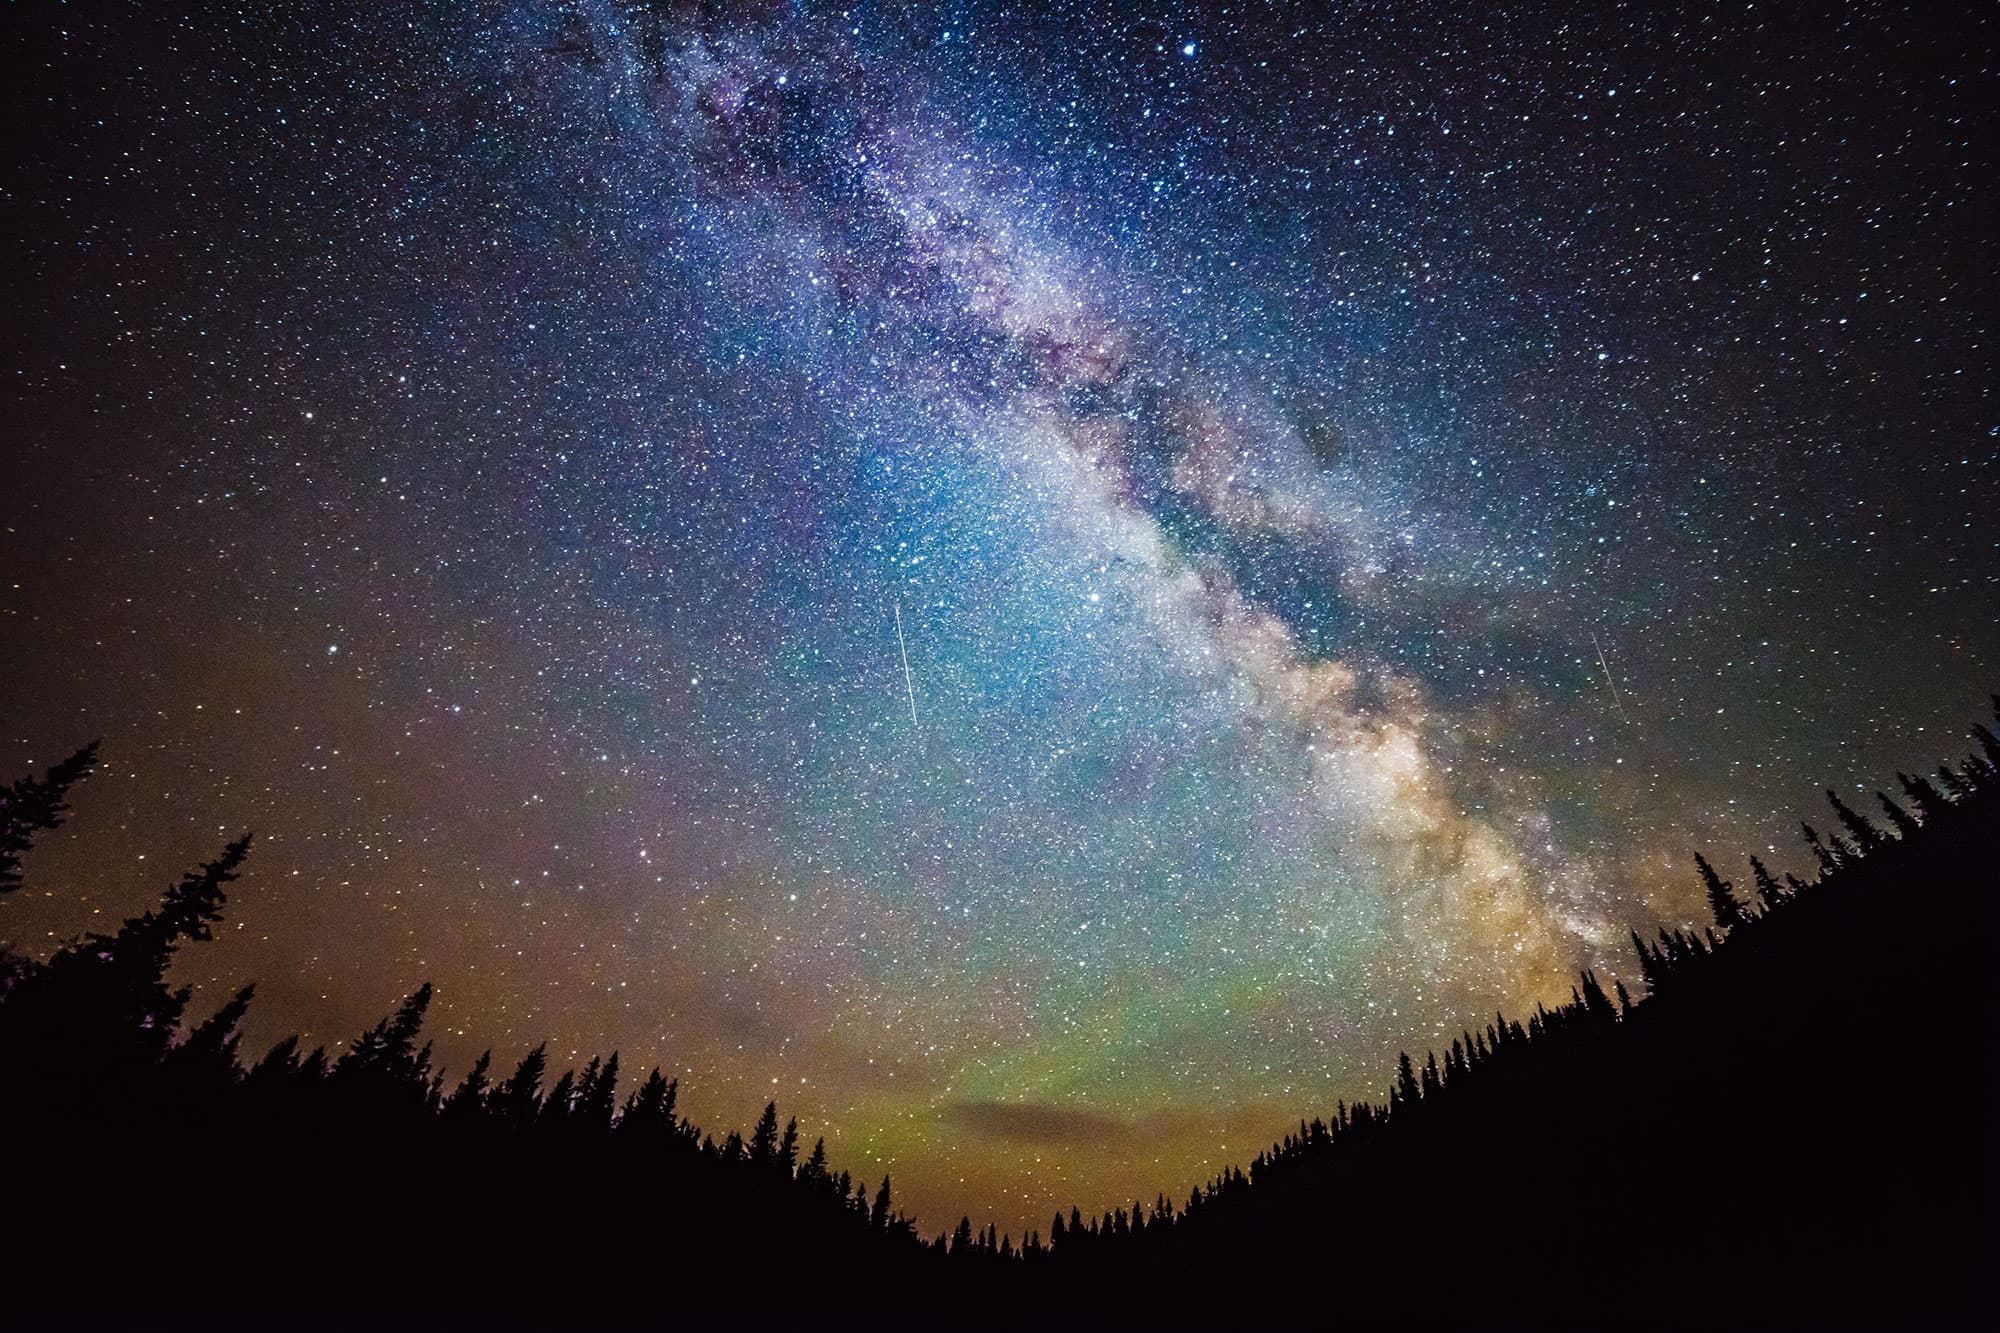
(649, 1111)
(788, 1147)
(1989, 744)
(764, 1139)
(1930, 802)
(281, 1061)
(1899, 818)
(1867, 838)
(1829, 860)
(34, 805)
(1769, 892)
(556, 1107)
(879, 1216)
(211, 1048)
(596, 1095)
(1407, 1091)
(814, 1171)
(386, 1057)
(105, 997)
(1650, 970)
(468, 1099)
(518, 1101)
(1593, 998)
(1722, 903)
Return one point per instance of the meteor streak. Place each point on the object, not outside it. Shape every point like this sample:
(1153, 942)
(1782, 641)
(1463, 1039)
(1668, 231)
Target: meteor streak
(1600, 661)
(904, 649)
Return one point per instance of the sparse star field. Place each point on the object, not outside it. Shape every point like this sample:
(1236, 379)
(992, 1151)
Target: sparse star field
(1047, 586)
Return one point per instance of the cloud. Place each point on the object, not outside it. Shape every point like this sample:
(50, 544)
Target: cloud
(1037, 1122)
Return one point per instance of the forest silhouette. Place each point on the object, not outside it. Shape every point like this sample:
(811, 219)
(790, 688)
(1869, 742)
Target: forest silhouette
(1787, 1127)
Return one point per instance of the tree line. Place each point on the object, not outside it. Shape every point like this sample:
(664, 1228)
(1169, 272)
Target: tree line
(105, 1042)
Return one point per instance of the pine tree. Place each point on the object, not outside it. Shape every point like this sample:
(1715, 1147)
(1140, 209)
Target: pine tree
(519, 1100)
(386, 1056)
(104, 999)
(1989, 744)
(33, 805)
(764, 1139)
(468, 1099)
(281, 1061)
(1956, 785)
(1867, 838)
(1594, 1000)
(879, 1216)
(1829, 861)
(1769, 892)
(211, 1048)
(596, 1095)
(556, 1107)
(649, 1111)
(1651, 971)
(1930, 802)
(1722, 903)
(1407, 1092)
(1899, 818)
(814, 1171)
(788, 1146)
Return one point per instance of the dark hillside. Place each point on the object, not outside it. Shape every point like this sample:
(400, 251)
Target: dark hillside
(1791, 1127)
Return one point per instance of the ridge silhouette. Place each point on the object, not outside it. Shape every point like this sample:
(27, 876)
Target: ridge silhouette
(1788, 1128)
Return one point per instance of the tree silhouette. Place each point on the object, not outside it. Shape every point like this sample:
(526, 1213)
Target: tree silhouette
(596, 1095)
(788, 1148)
(31, 805)
(764, 1139)
(1407, 1092)
(1867, 838)
(210, 1050)
(385, 1060)
(104, 997)
(1930, 802)
(1770, 893)
(468, 1101)
(1722, 902)
(650, 1111)
(518, 1101)
(1767, 1021)
(814, 1170)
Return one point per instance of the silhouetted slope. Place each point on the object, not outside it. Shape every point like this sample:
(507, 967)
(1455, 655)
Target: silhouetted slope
(1793, 1128)
(1790, 1128)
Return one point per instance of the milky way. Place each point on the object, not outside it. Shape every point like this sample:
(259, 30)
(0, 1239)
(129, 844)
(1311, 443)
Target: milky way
(1047, 588)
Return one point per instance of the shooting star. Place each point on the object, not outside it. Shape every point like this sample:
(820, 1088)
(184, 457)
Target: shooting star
(903, 648)
(1607, 679)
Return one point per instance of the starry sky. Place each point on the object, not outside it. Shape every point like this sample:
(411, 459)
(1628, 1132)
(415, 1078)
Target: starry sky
(1047, 586)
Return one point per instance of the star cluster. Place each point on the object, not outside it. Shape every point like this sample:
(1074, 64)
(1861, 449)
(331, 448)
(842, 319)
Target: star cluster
(1047, 587)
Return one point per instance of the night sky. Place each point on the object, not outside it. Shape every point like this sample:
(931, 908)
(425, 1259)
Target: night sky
(1047, 588)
